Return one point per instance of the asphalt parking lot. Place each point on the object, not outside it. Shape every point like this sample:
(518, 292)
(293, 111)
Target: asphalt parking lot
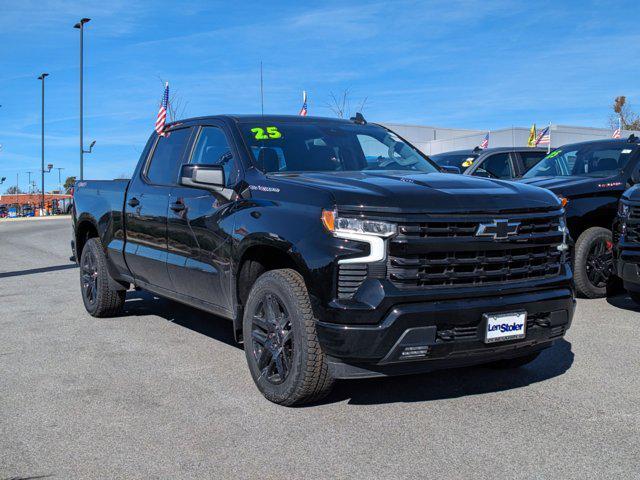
(163, 392)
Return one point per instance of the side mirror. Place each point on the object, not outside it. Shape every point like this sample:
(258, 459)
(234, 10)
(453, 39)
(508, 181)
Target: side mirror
(202, 176)
(449, 169)
(635, 176)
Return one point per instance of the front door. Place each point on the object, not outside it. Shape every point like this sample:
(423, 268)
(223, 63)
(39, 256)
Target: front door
(146, 210)
(199, 230)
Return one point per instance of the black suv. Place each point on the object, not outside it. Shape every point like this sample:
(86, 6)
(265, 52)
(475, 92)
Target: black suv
(590, 177)
(505, 163)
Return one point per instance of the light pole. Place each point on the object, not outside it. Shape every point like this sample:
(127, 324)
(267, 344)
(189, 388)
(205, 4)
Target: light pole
(80, 26)
(42, 77)
(29, 182)
(59, 181)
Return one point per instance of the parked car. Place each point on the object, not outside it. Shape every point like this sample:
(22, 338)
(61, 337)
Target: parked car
(626, 234)
(505, 163)
(328, 265)
(27, 211)
(4, 211)
(590, 177)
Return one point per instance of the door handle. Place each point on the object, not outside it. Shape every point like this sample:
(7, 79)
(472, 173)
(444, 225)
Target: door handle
(134, 202)
(177, 206)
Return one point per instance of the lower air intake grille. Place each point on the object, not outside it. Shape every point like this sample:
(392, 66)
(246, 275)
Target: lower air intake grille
(350, 277)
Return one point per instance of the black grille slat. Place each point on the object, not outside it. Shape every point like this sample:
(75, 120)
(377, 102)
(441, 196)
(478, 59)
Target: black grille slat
(435, 253)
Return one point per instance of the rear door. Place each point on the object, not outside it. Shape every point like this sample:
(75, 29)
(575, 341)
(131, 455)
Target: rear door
(146, 209)
(199, 232)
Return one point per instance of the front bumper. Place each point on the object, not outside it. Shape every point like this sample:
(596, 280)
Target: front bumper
(447, 333)
(629, 272)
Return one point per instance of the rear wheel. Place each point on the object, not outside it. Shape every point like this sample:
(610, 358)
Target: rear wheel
(517, 362)
(593, 262)
(101, 298)
(284, 356)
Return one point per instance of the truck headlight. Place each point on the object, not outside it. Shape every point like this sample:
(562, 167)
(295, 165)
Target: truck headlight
(336, 224)
(623, 210)
(562, 227)
(373, 232)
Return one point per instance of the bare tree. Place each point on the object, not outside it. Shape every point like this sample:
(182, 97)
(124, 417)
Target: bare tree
(340, 105)
(177, 105)
(623, 114)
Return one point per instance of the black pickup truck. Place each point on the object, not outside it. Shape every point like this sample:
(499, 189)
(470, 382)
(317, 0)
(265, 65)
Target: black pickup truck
(590, 178)
(626, 237)
(336, 248)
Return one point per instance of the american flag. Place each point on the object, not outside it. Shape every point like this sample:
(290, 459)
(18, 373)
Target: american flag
(303, 110)
(485, 141)
(617, 133)
(544, 137)
(162, 113)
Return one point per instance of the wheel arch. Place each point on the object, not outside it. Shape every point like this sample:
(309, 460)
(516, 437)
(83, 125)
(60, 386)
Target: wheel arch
(255, 258)
(86, 228)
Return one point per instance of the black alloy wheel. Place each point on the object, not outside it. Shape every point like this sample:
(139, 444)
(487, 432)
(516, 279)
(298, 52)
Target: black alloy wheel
(89, 277)
(600, 263)
(272, 339)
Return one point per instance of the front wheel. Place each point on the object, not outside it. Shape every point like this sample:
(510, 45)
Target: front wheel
(593, 262)
(280, 342)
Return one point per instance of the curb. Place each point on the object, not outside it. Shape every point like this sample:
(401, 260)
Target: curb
(35, 219)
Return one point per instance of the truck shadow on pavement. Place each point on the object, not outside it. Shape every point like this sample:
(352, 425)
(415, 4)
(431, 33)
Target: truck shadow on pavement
(145, 303)
(453, 383)
(624, 302)
(436, 385)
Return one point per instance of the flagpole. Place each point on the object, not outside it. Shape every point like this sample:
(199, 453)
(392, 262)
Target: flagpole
(549, 144)
(261, 92)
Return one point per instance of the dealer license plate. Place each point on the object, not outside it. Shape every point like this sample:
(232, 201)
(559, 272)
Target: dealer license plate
(505, 326)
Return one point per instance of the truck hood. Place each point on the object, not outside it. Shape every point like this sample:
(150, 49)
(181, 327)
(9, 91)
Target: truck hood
(574, 185)
(403, 192)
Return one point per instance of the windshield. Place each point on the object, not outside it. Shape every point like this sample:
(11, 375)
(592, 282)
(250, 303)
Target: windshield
(588, 160)
(460, 160)
(326, 147)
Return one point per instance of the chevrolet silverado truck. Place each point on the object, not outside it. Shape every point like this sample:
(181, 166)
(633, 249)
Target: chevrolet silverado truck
(590, 178)
(626, 235)
(336, 249)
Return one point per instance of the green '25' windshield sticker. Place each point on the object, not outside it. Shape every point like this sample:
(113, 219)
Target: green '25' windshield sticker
(272, 133)
(554, 154)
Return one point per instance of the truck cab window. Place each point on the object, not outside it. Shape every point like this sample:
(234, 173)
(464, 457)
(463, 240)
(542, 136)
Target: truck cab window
(212, 148)
(496, 166)
(168, 157)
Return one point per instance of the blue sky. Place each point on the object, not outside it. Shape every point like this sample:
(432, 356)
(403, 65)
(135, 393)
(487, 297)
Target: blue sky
(468, 64)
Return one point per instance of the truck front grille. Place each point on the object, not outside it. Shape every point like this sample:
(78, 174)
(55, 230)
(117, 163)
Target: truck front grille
(633, 225)
(445, 251)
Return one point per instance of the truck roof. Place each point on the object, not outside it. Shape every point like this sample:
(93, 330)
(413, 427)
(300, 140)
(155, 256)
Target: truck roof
(261, 118)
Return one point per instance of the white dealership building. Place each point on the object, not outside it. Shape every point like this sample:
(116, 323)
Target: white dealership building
(432, 140)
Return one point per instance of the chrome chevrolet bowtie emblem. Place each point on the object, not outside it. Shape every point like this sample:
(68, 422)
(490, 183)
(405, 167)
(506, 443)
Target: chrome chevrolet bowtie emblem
(498, 230)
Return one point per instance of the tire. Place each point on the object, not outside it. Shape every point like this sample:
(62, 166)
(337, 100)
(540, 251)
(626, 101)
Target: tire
(516, 362)
(635, 296)
(586, 248)
(278, 318)
(101, 298)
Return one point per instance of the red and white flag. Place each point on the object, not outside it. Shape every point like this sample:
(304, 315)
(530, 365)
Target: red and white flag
(485, 141)
(617, 133)
(303, 110)
(162, 113)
